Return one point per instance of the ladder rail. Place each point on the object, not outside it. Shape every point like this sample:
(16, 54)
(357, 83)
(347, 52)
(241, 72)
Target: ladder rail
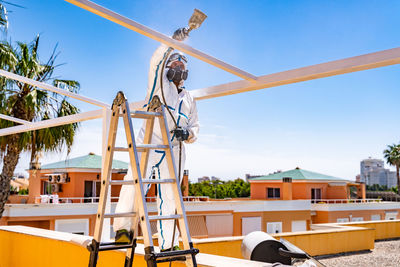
(180, 209)
(144, 158)
(137, 177)
(106, 173)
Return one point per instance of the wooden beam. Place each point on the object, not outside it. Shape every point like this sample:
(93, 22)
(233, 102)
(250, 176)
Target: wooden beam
(51, 88)
(89, 115)
(132, 25)
(337, 67)
(9, 118)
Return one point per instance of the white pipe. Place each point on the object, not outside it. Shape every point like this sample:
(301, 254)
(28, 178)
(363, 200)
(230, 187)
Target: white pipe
(9, 118)
(52, 88)
(89, 115)
(327, 69)
(137, 27)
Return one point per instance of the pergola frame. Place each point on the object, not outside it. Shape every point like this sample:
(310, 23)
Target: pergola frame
(250, 82)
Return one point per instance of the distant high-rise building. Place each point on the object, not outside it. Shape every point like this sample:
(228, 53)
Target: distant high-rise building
(372, 172)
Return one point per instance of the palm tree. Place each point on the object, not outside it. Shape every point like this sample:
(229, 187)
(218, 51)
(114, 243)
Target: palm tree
(26, 102)
(3, 16)
(392, 156)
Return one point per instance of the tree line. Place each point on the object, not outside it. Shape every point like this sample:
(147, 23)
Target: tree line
(220, 189)
(377, 187)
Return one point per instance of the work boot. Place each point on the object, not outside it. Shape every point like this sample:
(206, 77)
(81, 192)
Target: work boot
(123, 236)
(169, 249)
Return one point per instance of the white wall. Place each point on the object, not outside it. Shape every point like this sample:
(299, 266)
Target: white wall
(250, 224)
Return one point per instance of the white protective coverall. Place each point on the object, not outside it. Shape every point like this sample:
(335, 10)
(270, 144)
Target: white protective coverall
(183, 108)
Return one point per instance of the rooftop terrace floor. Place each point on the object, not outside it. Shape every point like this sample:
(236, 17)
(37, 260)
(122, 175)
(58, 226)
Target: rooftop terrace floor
(385, 253)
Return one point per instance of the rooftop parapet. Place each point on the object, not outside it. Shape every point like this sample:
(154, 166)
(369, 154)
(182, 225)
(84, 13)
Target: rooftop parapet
(22, 246)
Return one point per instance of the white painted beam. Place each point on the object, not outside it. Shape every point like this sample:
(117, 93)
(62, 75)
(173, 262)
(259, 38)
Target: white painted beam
(136, 105)
(89, 115)
(9, 118)
(51, 88)
(132, 25)
(337, 67)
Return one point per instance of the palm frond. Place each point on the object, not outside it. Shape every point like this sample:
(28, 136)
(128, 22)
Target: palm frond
(30, 103)
(3, 17)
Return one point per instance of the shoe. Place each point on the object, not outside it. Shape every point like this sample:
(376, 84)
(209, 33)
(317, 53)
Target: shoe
(169, 249)
(123, 236)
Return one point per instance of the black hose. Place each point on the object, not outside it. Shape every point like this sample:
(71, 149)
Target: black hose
(162, 86)
(180, 142)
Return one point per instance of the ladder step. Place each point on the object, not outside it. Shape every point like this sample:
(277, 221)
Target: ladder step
(123, 149)
(158, 181)
(142, 148)
(169, 259)
(145, 147)
(144, 114)
(172, 255)
(165, 217)
(116, 215)
(121, 182)
(145, 181)
(114, 247)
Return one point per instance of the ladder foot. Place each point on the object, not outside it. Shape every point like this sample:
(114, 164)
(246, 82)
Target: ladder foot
(94, 252)
(153, 258)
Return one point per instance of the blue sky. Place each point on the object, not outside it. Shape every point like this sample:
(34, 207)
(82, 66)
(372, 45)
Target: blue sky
(326, 125)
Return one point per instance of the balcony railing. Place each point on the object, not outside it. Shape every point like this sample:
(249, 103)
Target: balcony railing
(344, 201)
(54, 199)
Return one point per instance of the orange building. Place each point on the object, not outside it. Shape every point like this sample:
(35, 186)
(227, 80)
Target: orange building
(73, 180)
(301, 184)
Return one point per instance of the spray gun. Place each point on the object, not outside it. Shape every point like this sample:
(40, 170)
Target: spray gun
(196, 19)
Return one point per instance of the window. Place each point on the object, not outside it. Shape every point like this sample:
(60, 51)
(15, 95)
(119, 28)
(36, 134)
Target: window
(92, 190)
(46, 188)
(375, 217)
(315, 194)
(357, 219)
(342, 220)
(273, 192)
(51, 188)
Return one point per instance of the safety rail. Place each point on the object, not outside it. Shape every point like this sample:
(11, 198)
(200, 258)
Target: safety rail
(187, 199)
(344, 201)
(54, 199)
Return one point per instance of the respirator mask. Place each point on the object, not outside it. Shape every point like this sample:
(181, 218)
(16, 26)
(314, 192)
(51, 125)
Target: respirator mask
(176, 65)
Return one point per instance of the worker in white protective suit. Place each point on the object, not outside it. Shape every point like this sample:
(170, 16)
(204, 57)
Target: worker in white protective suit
(185, 129)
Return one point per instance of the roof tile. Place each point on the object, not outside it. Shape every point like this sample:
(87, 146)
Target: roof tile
(298, 174)
(90, 161)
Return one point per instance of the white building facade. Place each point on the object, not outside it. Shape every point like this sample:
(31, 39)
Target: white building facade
(372, 172)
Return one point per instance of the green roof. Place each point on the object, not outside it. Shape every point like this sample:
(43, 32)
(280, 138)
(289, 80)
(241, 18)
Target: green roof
(298, 174)
(90, 161)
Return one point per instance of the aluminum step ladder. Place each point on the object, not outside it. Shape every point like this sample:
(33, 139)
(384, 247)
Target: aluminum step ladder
(120, 108)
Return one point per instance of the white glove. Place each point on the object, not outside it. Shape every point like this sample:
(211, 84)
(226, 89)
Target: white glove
(181, 34)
